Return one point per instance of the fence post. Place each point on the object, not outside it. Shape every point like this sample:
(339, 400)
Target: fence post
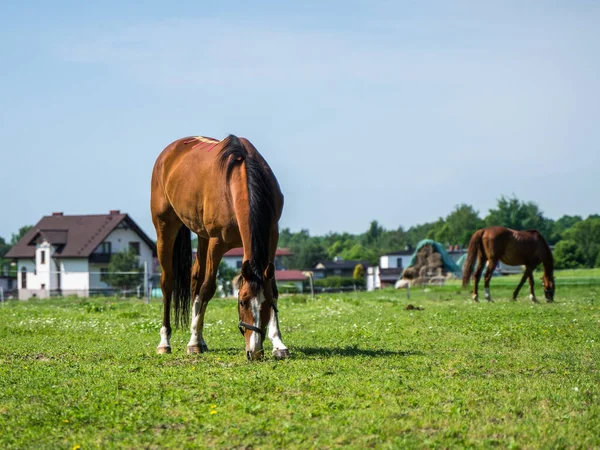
(146, 281)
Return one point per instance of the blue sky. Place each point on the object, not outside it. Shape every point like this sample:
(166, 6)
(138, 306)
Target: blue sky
(394, 111)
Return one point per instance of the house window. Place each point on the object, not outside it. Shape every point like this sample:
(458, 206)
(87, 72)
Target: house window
(103, 249)
(238, 264)
(134, 247)
(42, 257)
(23, 278)
(103, 274)
(399, 263)
(43, 286)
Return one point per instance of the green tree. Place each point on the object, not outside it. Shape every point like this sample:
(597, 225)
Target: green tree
(22, 232)
(568, 255)
(518, 215)
(307, 250)
(225, 276)
(374, 232)
(561, 225)
(359, 274)
(586, 235)
(459, 226)
(4, 263)
(124, 261)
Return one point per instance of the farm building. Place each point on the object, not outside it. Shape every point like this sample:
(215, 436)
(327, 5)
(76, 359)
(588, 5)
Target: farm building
(287, 280)
(69, 255)
(392, 265)
(233, 258)
(337, 267)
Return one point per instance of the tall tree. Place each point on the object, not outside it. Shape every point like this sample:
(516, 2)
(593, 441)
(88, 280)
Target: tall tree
(22, 232)
(586, 235)
(513, 213)
(459, 225)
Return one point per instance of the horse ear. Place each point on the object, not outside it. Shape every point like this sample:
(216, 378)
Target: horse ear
(246, 270)
(269, 271)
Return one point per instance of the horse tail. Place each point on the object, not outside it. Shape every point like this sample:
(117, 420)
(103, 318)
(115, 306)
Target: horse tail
(182, 276)
(475, 244)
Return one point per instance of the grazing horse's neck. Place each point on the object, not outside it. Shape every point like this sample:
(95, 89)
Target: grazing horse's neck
(547, 261)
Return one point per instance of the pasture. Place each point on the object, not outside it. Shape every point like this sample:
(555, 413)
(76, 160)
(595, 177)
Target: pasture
(364, 372)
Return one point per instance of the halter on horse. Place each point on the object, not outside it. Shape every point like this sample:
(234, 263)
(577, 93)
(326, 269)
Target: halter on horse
(225, 192)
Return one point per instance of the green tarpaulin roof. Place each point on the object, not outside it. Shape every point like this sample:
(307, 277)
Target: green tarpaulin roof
(449, 265)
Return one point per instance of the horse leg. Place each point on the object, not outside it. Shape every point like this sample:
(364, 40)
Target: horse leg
(531, 284)
(477, 277)
(166, 232)
(215, 249)
(197, 343)
(488, 277)
(521, 283)
(280, 351)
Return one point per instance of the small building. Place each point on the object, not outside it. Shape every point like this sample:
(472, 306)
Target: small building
(337, 267)
(234, 257)
(290, 281)
(69, 255)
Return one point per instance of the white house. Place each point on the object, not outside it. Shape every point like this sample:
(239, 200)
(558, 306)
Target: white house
(69, 255)
(287, 280)
(233, 258)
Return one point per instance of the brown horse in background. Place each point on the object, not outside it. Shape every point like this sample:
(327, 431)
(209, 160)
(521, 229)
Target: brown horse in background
(225, 192)
(494, 244)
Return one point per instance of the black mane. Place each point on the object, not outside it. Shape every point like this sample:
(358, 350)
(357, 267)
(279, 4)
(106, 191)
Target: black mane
(262, 206)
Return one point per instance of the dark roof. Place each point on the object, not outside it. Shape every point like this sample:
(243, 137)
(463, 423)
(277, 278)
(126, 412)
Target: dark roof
(55, 237)
(328, 265)
(76, 236)
(390, 274)
(400, 253)
(289, 275)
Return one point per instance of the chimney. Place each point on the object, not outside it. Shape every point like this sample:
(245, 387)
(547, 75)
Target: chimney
(112, 212)
(57, 213)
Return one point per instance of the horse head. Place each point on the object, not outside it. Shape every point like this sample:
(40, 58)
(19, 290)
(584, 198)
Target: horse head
(255, 300)
(548, 282)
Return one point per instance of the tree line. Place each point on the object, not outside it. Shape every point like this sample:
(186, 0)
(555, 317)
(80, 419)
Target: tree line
(576, 240)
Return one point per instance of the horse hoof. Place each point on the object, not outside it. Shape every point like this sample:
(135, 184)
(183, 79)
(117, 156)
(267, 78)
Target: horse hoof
(163, 350)
(196, 349)
(476, 298)
(282, 353)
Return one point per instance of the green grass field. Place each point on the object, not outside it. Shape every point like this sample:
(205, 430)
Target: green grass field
(365, 372)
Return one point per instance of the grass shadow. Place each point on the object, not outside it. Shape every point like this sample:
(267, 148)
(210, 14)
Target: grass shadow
(351, 350)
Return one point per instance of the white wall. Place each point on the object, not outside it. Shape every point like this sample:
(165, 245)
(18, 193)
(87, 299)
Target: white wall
(44, 271)
(391, 261)
(232, 261)
(95, 282)
(120, 239)
(75, 277)
(372, 279)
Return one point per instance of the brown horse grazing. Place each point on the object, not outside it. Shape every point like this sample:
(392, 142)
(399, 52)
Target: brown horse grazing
(528, 248)
(225, 192)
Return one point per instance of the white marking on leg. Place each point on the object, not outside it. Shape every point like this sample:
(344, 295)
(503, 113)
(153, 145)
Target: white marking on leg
(164, 338)
(532, 297)
(255, 344)
(487, 293)
(274, 333)
(195, 319)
